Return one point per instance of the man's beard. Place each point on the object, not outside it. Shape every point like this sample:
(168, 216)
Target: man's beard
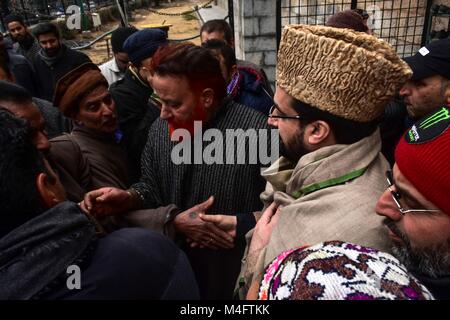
(51, 52)
(425, 108)
(295, 149)
(197, 115)
(19, 38)
(431, 261)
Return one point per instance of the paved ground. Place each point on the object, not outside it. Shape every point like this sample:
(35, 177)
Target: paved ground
(212, 12)
(182, 26)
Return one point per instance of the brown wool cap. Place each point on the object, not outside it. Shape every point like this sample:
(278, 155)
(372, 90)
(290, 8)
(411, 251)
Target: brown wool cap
(349, 74)
(74, 85)
(347, 19)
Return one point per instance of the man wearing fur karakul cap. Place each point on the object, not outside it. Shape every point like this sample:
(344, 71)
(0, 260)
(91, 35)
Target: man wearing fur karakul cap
(332, 86)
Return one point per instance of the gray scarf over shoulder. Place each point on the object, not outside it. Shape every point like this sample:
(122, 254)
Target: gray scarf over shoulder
(37, 252)
(50, 61)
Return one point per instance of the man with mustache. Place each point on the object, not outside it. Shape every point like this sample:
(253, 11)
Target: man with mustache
(190, 85)
(416, 204)
(429, 87)
(327, 109)
(26, 44)
(426, 91)
(54, 59)
(91, 156)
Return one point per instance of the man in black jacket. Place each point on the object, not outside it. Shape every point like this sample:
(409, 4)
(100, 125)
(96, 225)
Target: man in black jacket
(54, 59)
(55, 122)
(425, 92)
(26, 44)
(18, 65)
(135, 106)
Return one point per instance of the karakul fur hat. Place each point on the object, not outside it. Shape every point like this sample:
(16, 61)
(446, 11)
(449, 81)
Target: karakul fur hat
(349, 74)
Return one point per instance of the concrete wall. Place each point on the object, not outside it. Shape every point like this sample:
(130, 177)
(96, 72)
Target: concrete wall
(221, 3)
(440, 23)
(255, 33)
(255, 25)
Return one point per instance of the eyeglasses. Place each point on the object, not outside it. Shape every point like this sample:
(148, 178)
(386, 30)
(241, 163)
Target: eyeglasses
(396, 196)
(281, 114)
(275, 106)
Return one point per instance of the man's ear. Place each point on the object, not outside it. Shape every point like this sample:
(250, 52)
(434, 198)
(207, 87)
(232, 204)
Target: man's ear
(46, 191)
(319, 134)
(234, 69)
(447, 93)
(207, 98)
(76, 117)
(232, 43)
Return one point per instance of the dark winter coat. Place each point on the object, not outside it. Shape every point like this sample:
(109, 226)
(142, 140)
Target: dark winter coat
(136, 113)
(48, 74)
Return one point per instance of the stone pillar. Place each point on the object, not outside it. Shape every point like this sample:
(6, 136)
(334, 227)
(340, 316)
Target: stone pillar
(441, 22)
(255, 33)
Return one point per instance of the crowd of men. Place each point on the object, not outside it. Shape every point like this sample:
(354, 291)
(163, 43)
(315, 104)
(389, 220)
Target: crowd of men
(356, 207)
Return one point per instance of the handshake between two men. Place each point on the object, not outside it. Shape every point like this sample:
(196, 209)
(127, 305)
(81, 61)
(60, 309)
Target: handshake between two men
(200, 229)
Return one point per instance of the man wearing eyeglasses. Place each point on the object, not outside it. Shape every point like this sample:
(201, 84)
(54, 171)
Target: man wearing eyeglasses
(327, 107)
(416, 204)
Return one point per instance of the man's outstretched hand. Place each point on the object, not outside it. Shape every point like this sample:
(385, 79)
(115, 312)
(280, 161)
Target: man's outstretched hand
(107, 201)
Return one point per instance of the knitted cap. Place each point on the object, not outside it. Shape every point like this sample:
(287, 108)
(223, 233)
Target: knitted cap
(423, 157)
(346, 73)
(74, 85)
(119, 36)
(337, 270)
(143, 44)
(347, 19)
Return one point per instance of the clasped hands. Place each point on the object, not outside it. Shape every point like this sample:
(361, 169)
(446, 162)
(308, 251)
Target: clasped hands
(206, 231)
(200, 230)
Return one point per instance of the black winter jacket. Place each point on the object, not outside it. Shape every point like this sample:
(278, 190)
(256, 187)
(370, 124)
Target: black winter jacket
(47, 76)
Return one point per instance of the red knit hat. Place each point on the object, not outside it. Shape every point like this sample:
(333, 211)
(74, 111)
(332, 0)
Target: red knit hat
(423, 157)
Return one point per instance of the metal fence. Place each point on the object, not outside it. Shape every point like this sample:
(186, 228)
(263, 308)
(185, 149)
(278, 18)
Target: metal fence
(35, 11)
(54, 7)
(403, 23)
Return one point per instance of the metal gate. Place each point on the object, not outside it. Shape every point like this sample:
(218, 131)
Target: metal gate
(403, 23)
